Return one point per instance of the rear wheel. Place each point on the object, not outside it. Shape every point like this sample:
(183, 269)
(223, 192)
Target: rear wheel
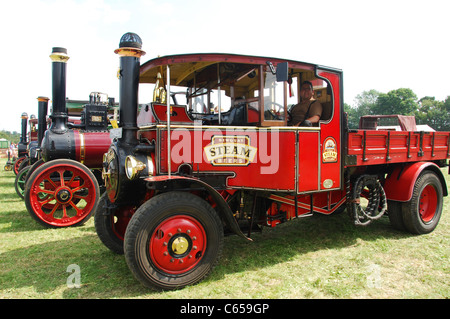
(395, 214)
(422, 213)
(111, 225)
(61, 193)
(173, 240)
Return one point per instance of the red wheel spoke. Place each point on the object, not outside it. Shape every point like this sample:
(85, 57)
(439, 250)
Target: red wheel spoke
(71, 180)
(48, 179)
(61, 176)
(55, 208)
(46, 191)
(42, 203)
(81, 197)
(79, 211)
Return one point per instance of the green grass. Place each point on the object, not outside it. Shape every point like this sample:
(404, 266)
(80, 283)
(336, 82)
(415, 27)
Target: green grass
(317, 257)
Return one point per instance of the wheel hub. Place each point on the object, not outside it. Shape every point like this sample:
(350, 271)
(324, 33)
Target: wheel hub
(177, 244)
(63, 195)
(180, 245)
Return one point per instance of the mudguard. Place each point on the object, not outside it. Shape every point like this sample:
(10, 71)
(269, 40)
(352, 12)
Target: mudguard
(223, 208)
(399, 185)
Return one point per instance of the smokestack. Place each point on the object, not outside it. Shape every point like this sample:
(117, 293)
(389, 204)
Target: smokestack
(42, 117)
(130, 52)
(59, 116)
(23, 138)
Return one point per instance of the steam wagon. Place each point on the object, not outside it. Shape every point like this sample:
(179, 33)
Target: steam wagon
(214, 153)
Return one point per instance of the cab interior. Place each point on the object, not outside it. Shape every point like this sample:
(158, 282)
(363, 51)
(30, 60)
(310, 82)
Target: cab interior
(234, 94)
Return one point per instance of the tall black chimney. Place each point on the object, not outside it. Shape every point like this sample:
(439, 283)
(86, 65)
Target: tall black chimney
(59, 114)
(23, 137)
(130, 52)
(42, 117)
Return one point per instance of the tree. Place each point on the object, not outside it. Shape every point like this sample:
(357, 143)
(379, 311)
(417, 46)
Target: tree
(434, 113)
(401, 101)
(13, 137)
(365, 104)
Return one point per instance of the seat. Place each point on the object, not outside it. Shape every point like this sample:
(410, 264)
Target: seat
(327, 111)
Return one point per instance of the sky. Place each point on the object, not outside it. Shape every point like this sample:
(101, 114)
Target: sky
(383, 45)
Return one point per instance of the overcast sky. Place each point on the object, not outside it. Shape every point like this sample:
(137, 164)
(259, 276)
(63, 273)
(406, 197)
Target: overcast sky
(381, 45)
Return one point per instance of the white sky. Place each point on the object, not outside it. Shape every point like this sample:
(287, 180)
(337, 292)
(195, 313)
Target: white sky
(382, 45)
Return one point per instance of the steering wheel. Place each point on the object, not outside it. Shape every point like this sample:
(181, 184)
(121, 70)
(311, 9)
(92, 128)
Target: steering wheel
(269, 111)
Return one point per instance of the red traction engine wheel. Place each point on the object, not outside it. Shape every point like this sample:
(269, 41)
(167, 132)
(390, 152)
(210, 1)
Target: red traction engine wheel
(61, 193)
(17, 164)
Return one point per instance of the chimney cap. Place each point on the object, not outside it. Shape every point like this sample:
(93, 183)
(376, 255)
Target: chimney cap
(59, 50)
(130, 40)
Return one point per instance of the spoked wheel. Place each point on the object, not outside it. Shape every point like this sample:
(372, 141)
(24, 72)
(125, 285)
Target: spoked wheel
(19, 183)
(173, 240)
(17, 164)
(111, 223)
(33, 168)
(61, 193)
(422, 213)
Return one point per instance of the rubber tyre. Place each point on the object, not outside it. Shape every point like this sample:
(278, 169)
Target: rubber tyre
(395, 215)
(17, 164)
(110, 227)
(19, 182)
(422, 213)
(33, 168)
(73, 212)
(152, 225)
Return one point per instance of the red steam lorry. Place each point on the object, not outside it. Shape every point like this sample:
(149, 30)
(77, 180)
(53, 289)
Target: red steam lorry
(213, 154)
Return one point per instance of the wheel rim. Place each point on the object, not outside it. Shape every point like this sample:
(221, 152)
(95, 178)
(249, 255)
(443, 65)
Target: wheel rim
(21, 181)
(428, 203)
(178, 244)
(120, 220)
(62, 195)
(17, 164)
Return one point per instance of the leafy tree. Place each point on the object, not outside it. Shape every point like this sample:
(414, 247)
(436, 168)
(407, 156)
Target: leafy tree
(365, 104)
(434, 113)
(13, 137)
(401, 101)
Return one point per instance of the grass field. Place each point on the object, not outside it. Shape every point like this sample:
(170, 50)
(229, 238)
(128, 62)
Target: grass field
(316, 257)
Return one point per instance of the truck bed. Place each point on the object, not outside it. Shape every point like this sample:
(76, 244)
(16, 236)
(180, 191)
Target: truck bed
(373, 147)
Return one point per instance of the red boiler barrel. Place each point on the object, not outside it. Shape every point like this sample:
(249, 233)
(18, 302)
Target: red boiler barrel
(90, 147)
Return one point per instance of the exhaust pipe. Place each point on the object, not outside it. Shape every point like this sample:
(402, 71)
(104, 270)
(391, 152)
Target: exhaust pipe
(23, 137)
(23, 142)
(42, 117)
(59, 115)
(130, 52)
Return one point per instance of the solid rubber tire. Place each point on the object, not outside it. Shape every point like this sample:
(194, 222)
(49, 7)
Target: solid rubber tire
(411, 214)
(151, 215)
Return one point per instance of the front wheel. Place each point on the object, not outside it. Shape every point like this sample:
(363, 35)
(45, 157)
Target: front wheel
(173, 240)
(61, 193)
(422, 213)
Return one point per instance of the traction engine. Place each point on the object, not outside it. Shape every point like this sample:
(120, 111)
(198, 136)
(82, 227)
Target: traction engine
(62, 188)
(22, 146)
(33, 154)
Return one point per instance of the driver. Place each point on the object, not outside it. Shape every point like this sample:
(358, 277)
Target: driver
(309, 110)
